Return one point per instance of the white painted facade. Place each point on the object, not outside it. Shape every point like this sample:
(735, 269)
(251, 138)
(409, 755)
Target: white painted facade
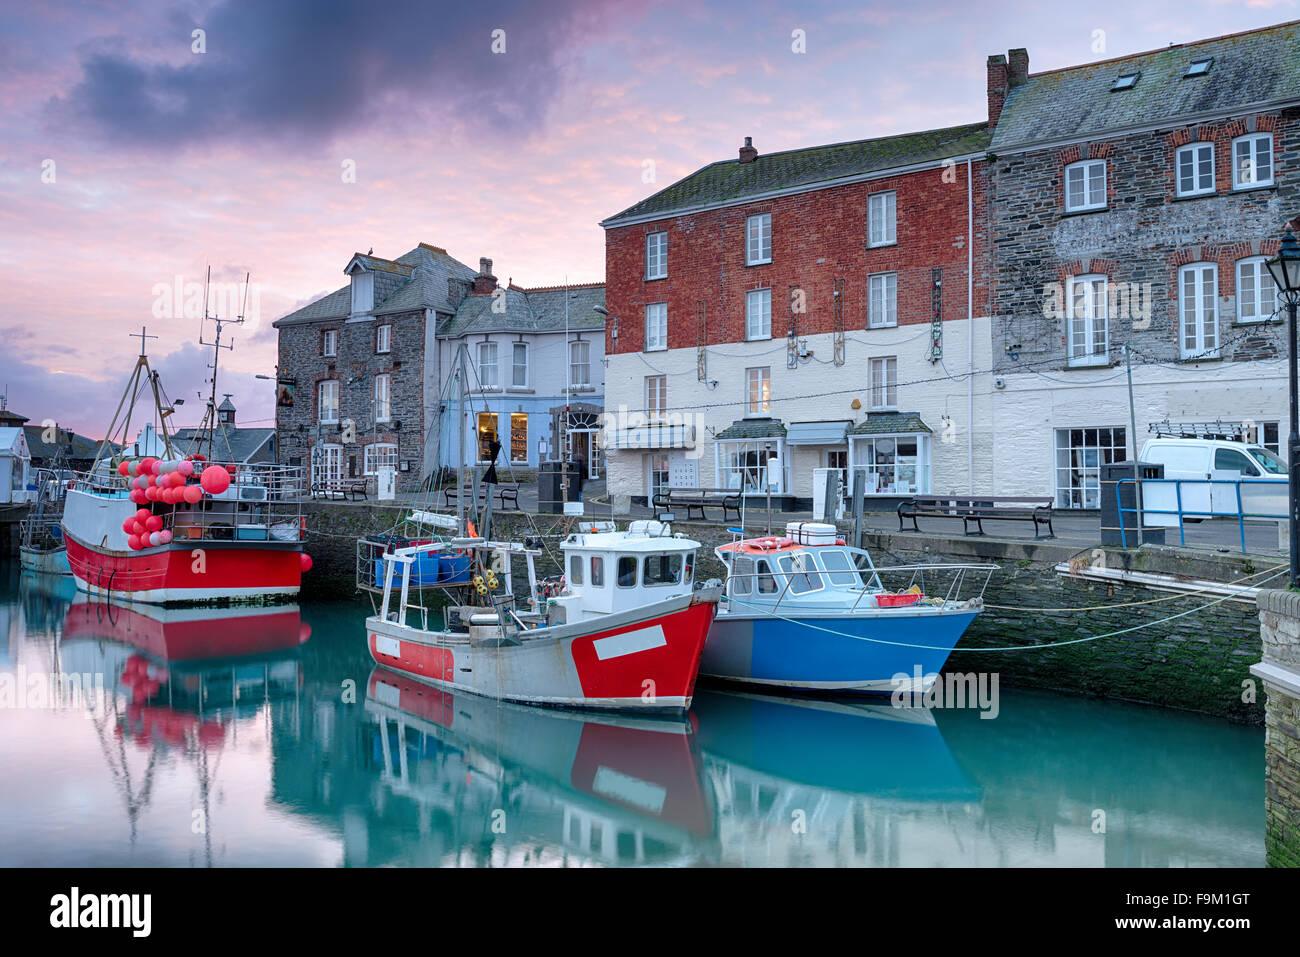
(1031, 411)
(816, 391)
(15, 466)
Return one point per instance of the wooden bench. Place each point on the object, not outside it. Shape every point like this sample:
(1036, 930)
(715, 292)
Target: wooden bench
(356, 488)
(502, 490)
(978, 509)
(697, 500)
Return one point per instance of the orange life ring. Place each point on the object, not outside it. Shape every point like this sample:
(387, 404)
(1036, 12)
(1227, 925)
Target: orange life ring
(770, 544)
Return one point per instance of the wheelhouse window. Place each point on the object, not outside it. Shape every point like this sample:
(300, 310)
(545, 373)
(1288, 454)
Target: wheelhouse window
(1198, 310)
(579, 364)
(884, 382)
(656, 256)
(758, 314)
(1195, 165)
(1252, 161)
(893, 464)
(626, 572)
(487, 365)
(741, 581)
(664, 569)
(1080, 454)
(1088, 321)
(327, 407)
(383, 398)
(384, 338)
(882, 219)
(758, 391)
(758, 239)
(597, 571)
(882, 300)
(656, 326)
(839, 570)
(802, 572)
(1085, 186)
(1256, 291)
(575, 569)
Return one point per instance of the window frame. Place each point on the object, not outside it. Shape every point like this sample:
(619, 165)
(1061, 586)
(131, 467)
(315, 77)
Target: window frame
(661, 341)
(384, 413)
(583, 346)
(480, 365)
(1089, 358)
(763, 296)
(514, 364)
(370, 464)
(764, 378)
(363, 280)
(660, 258)
(383, 338)
(657, 406)
(329, 343)
(1194, 149)
(1253, 138)
(320, 402)
(889, 300)
(1263, 280)
(1202, 352)
(887, 198)
(1085, 166)
(764, 231)
(878, 365)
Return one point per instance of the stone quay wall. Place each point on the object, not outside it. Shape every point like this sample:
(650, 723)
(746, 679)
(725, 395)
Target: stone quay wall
(1279, 625)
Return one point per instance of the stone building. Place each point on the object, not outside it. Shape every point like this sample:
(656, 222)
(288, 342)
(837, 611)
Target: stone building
(362, 371)
(1132, 203)
(813, 308)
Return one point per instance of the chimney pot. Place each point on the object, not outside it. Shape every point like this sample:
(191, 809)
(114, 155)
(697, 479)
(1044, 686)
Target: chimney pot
(747, 152)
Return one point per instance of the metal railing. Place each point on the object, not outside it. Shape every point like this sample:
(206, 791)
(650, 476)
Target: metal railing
(1237, 512)
(928, 577)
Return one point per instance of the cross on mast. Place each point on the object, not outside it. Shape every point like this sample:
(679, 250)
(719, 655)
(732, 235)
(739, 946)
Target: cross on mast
(142, 335)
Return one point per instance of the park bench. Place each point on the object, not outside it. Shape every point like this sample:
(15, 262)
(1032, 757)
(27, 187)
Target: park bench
(353, 488)
(697, 500)
(502, 490)
(979, 509)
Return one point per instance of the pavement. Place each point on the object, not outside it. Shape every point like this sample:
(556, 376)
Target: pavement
(1082, 528)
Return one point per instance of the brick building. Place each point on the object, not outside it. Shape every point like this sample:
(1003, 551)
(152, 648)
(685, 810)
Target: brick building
(1133, 201)
(815, 306)
(363, 371)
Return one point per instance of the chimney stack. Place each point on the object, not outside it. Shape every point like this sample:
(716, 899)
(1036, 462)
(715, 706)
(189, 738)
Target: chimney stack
(747, 152)
(1017, 66)
(484, 282)
(997, 87)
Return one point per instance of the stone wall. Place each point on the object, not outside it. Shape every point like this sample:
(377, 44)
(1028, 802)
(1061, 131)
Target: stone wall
(1279, 625)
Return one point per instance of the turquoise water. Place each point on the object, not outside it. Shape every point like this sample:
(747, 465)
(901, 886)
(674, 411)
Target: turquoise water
(301, 753)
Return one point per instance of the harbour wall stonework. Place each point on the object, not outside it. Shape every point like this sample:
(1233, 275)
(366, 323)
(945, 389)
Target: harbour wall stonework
(1279, 625)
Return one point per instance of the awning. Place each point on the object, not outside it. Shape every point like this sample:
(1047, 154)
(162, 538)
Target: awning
(816, 433)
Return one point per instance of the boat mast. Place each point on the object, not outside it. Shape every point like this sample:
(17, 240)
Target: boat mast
(210, 419)
(460, 438)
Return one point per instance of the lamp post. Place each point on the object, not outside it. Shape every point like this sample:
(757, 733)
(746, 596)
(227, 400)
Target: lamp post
(1285, 269)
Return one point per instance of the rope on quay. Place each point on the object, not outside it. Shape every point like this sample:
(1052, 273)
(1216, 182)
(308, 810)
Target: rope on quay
(1125, 604)
(1050, 644)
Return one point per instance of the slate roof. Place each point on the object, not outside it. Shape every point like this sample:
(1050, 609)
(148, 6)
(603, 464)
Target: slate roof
(529, 310)
(416, 280)
(753, 429)
(237, 444)
(1255, 67)
(883, 423)
(728, 181)
(83, 447)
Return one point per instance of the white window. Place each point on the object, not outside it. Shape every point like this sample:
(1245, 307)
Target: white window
(758, 390)
(656, 395)
(383, 398)
(758, 314)
(1087, 317)
(363, 292)
(657, 464)
(884, 382)
(519, 367)
(1256, 291)
(656, 256)
(656, 326)
(327, 409)
(882, 300)
(893, 464)
(1085, 185)
(326, 464)
(744, 464)
(758, 239)
(329, 342)
(487, 365)
(384, 338)
(380, 455)
(1252, 160)
(1195, 169)
(1080, 454)
(1198, 297)
(882, 219)
(579, 363)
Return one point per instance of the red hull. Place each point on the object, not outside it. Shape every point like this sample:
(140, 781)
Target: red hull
(191, 639)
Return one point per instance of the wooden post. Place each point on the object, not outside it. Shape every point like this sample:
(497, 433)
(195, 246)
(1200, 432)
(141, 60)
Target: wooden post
(859, 502)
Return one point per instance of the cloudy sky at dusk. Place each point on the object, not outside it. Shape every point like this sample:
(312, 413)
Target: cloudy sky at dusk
(164, 160)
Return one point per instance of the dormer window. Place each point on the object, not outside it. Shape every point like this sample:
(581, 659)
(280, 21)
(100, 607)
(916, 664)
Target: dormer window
(363, 292)
(1199, 67)
(1126, 81)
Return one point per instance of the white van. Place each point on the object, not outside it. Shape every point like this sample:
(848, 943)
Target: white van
(1195, 461)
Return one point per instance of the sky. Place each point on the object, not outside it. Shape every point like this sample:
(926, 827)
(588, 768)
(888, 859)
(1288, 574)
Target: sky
(289, 134)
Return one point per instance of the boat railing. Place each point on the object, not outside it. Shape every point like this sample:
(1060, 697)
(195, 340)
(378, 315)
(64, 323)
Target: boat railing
(945, 582)
(950, 579)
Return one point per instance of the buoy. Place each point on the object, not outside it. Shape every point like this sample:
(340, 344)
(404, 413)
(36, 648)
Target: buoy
(305, 561)
(215, 479)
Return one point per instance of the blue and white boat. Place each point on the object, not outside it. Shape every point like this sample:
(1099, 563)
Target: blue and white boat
(807, 611)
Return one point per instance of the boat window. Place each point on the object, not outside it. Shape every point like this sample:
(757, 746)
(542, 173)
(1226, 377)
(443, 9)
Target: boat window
(627, 571)
(575, 569)
(839, 570)
(690, 568)
(597, 571)
(663, 569)
(766, 580)
(742, 576)
(803, 572)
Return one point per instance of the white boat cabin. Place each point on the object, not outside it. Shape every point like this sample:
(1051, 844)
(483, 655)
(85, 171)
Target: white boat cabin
(610, 571)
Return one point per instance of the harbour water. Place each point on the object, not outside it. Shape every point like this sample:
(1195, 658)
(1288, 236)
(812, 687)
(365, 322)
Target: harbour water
(301, 753)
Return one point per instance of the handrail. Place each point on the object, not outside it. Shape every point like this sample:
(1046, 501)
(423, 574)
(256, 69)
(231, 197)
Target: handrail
(954, 589)
(1182, 513)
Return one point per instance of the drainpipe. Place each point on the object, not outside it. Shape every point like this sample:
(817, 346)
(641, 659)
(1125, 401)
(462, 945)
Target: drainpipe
(970, 329)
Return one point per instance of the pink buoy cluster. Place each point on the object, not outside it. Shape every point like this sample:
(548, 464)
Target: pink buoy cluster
(165, 482)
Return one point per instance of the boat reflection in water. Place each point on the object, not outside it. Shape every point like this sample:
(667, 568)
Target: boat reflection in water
(542, 786)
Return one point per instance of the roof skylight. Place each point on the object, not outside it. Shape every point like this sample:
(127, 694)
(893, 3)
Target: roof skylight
(1126, 81)
(1199, 67)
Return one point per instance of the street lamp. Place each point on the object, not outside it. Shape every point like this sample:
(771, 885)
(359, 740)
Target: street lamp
(1285, 269)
